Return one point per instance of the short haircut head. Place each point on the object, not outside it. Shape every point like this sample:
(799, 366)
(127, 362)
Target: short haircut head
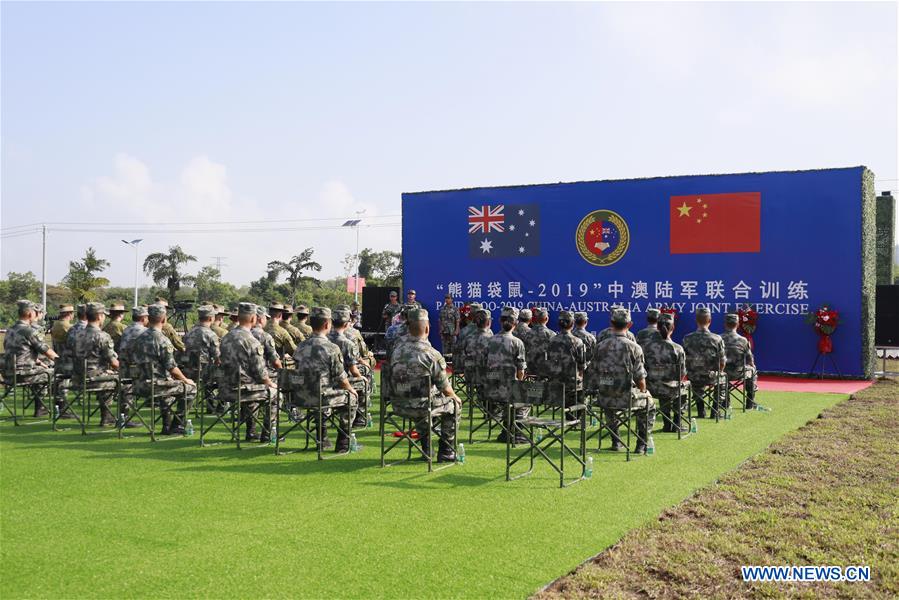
(318, 323)
(418, 328)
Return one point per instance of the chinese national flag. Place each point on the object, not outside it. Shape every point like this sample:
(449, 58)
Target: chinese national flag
(714, 223)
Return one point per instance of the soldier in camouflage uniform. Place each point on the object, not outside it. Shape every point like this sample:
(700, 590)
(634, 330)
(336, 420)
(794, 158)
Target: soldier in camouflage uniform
(129, 368)
(96, 362)
(705, 354)
(114, 325)
(665, 367)
(736, 348)
(410, 299)
(467, 330)
(155, 353)
(66, 363)
(505, 353)
(390, 310)
(523, 328)
(23, 342)
(649, 332)
(284, 344)
(567, 356)
(169, 331)
(449, 324)
(397, 330)
(233, 320)
(349, 352)
(537, 343)
(295, 333)
(617, 367)
(38, 323)
(272, 359)
(366, 363)
(475, 351)
(202, 345)
(608, 331)
(319, 358)
(302, 315)
(218, 324)
(413, 358)
(355, 316)
(580, 332)
(242, 352)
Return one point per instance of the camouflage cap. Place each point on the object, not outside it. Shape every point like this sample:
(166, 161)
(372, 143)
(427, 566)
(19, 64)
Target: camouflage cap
(666, 318)
(731, 319)
(24, 305)
(276, 306)
(410, 292)
(156, 310)
(417, 314)
(138, 311)
(581, 316)
(288, 309)
(566, 315)
(620, 316)
(342, 307)
(96, 308)
(321, 312)
(233, 313)
(509, 312)
(221, 310)
(302, 310)
(393, 294)
(539, 312)
(703, 312)
(80, 309)
(261, 312)
(38, 307)
(161, 300)
(653, 313)
(524, 314)
(474, 306)
(206, 311)
(117, 308)
(341, 312)
(64, 308)
(245, 309)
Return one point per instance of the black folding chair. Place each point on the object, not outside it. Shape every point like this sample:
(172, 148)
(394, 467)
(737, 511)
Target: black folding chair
(308, 405)
(21, 383)
(225, 411)
(607, 390)
(666, 382)
(478, 380)
(545, 432)
(736, 379)
(147, 395)
(411, 392)
(88, 387)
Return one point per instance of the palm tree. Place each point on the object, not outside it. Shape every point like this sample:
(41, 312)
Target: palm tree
(294, 269)
(82, 277)
(165, 268)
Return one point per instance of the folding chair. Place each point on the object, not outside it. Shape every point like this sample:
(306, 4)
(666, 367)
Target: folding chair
(226, 406)
(736, 380)
(88, 387)
(553, 395)
(363, 387)
(497, 391)
(608, 389)
(704, 373)
(479, 398)
(146, 396)
(410, 391)
(666, 382)
(24, 380)
(246, 394)
(303, 392)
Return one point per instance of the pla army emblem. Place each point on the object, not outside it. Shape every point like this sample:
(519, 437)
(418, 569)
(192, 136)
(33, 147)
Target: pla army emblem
(602, 238)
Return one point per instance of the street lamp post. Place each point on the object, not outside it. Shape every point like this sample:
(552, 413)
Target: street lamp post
(355, 223)
(134, 243)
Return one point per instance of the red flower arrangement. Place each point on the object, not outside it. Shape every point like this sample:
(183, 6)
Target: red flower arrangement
(825, 321)
(668, 310)
(748, 322)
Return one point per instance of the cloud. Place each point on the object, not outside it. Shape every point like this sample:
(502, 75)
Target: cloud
(204, 189)
(129, 188)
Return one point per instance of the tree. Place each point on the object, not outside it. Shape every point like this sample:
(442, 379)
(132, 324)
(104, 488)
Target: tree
(166, 269)
(211, 288)
(83, 278)
(15, 287)
(380, 268)
(294, 269)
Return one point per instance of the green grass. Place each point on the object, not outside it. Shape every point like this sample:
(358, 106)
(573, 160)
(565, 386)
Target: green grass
(102, 517)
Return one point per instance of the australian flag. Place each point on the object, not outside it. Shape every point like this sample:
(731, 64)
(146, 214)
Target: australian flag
(503, 230)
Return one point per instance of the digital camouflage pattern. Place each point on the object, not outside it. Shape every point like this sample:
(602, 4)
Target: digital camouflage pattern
(736, 349)
(96, 347)
(284, 344)
(536, 346)
(268, 345)
(646, 334)
(390, 310)
(449, 324)
(155, 354)
(665, 368)
(203, 342)
(608, 332)
(705, 353)
(566, 358)
(242, 351)
(616, 365)
(348, 351)
(126, 347)
(294, 331)
(475, 354)
(394, 332)
(23, 342)
(319, 359)
(588, 338)
(521, 331)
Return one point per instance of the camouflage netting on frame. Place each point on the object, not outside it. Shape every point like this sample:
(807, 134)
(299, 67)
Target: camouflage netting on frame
(869, 271)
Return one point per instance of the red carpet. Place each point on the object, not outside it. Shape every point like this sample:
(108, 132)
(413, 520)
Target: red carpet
(774, 383)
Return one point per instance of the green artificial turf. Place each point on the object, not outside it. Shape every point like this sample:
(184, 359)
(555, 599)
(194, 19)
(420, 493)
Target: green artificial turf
(102, 517)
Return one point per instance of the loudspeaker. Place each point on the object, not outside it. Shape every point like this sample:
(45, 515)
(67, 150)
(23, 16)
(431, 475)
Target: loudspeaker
(886, 316)
(373, 301)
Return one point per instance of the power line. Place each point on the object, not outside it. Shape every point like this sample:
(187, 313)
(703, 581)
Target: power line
(189, 223)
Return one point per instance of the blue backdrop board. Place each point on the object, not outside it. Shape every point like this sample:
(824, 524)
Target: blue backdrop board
(786, 242)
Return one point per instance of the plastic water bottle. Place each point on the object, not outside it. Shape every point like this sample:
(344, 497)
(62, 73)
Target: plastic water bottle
(120, 423)
(55, 411)
(588, 468)
(762, 408)
(188, 429)
(693, 427)
(369, 422)
(650, 447)
(728, 414)
(272, 439)
(354, 443)
(460, 455)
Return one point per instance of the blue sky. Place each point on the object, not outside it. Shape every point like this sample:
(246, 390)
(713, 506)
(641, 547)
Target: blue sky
(150, 113)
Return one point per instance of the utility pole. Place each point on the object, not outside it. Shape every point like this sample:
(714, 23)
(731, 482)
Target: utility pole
(219, 262)
(44, 266)
(133, 244)
(355, 223)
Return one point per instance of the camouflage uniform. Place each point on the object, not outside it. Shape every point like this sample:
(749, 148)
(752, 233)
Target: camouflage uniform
(566, 360)
(302, 325)
(23, 342)
(96, 347)
(242, 352)
(449, 323)
(126, 346)
(580, 332)
(155, 354)
(268, 344)
(394, 332)
(389, 311)
(58, 334)
(608, 332)
(505, 357)
(349, 353)
(115, 327)
(536, 345)
(202, 342)
(705, 352)
(617, 364)
(129, 368)
(169, 331)
(411, 359)
(296, 335)
(318, 358)
(736, 347)
(522, 328)
(665, 367)
(649, 332)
